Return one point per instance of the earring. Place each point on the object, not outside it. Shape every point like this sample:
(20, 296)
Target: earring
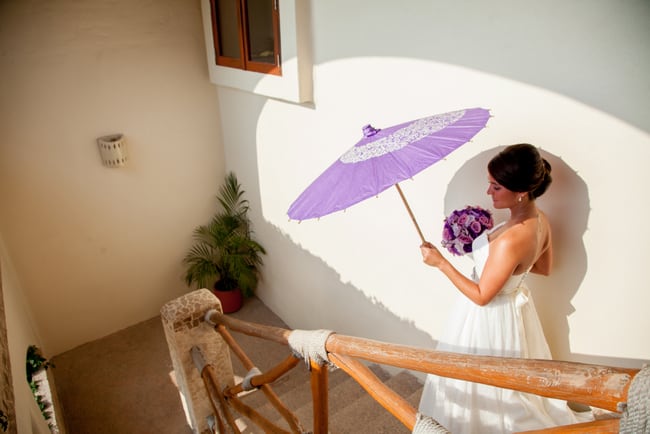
(520, 199)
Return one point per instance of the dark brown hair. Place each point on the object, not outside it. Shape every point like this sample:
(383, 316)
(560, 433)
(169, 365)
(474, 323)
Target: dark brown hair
(520, 168)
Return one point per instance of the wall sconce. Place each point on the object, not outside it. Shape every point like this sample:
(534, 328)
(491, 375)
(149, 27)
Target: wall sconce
(112, 150)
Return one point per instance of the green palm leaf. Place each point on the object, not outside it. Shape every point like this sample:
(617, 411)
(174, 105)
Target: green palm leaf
(224, 249)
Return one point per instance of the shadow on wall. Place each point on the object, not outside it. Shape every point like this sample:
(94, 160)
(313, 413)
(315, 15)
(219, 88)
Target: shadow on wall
(566, 203)
(317, 298)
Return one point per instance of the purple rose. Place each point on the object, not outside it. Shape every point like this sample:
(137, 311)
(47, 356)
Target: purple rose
(476, 227)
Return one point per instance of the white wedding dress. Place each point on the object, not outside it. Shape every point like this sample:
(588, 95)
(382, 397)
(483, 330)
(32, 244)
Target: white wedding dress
(508, 326)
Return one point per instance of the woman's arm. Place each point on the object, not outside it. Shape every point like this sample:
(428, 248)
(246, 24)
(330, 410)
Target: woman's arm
(492, 279)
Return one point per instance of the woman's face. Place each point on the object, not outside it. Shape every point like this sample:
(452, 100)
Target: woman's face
(502, 198)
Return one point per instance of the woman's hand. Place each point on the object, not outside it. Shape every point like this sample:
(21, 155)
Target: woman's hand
(431, 255)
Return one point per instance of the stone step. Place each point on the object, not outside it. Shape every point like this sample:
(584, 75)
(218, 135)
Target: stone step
(366, 415)
(294, 390)
(298, 397)
(410, 389)
(340, 395)
(351, 409)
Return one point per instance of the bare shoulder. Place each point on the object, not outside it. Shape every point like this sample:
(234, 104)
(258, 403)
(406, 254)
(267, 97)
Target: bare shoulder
(518, 233)
(511, 243)
(523, 242)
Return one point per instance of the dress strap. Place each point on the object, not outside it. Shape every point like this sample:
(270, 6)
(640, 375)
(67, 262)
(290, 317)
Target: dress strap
(539, 231)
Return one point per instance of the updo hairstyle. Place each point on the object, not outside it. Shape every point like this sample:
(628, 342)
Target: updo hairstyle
(520, 168)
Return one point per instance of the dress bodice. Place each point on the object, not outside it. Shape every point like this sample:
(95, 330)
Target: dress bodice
(481, 251)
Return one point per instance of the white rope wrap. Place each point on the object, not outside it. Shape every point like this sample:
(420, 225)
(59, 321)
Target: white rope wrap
(426, 425)
(207, 316)
(636, 416)
(246, 382)
(310, 345)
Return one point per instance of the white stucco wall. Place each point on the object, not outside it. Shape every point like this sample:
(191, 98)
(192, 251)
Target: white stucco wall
(548, 77)
(98, 249)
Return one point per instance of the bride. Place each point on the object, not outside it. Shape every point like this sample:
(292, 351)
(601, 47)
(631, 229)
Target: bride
(497, 316)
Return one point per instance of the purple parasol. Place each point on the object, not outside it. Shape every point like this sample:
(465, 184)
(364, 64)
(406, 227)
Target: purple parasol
(383, 158)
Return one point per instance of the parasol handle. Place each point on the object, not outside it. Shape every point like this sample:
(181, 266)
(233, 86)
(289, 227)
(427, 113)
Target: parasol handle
(408, 208)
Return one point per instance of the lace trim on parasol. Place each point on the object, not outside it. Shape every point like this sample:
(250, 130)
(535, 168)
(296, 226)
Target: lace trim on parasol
(413, 132)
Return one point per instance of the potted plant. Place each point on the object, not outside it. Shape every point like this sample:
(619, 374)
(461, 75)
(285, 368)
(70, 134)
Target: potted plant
(224, 256)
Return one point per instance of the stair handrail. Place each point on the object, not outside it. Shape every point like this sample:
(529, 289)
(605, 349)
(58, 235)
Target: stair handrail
(594, 385)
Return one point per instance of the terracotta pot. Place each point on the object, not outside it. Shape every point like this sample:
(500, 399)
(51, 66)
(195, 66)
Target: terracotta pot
(231, 301)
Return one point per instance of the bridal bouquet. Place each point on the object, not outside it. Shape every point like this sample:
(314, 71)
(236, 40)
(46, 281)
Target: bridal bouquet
(462, 226)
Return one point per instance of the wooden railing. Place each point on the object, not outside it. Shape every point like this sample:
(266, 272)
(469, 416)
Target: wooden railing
(598, 386)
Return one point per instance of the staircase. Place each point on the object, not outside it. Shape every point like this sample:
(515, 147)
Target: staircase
(351, 409)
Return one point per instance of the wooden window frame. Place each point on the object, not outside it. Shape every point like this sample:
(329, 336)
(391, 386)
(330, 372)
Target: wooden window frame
(243, 61)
